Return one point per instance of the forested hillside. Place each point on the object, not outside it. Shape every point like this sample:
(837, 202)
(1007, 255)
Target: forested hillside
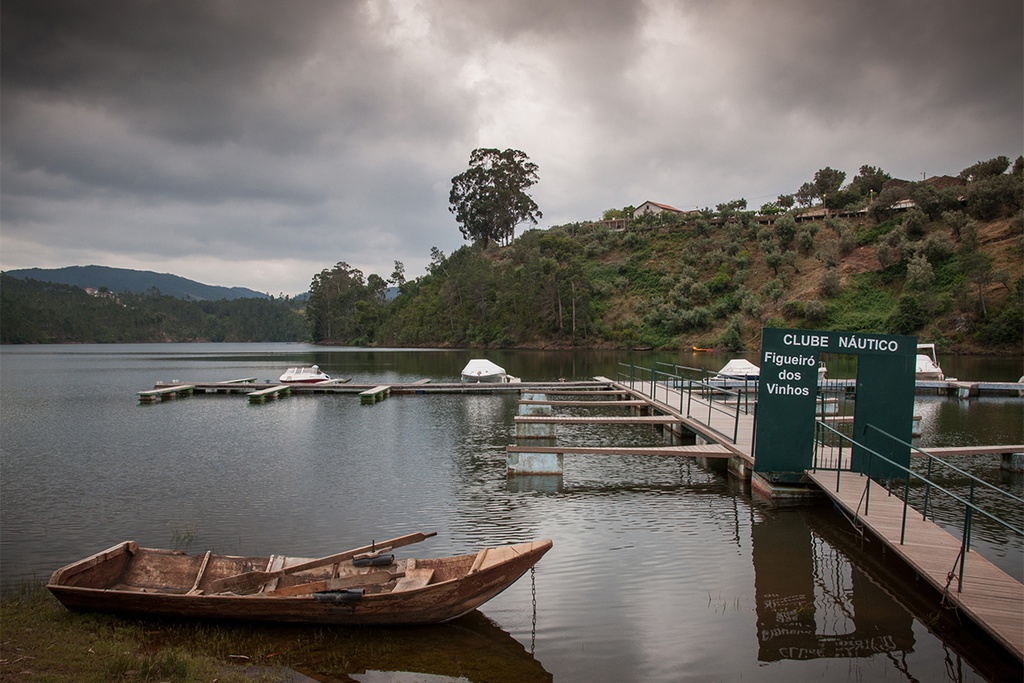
(941, 260)
(135, 281)
(42, 312)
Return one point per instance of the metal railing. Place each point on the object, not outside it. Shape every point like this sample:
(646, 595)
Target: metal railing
(711, 387)
(733, 404)
(831, 443)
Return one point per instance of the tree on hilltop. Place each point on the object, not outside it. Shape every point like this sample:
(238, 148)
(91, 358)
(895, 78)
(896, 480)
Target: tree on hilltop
(489, 199)
(869, 180)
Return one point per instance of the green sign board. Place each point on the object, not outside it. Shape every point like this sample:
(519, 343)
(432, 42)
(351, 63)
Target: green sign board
(788, 392)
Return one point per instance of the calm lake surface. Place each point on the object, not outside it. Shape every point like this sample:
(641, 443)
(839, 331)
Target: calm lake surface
(662, 570)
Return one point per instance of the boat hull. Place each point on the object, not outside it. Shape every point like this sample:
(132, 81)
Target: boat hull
(484, 379)
(307, 375)
(484, 371)
(430, 604)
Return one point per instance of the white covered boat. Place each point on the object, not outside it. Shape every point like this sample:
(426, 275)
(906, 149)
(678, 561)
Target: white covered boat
(308, 375)
(927, 367)
(483, 370)
(739, 369)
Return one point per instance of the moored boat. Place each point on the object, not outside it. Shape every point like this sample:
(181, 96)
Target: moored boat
(927, 366)
(360, 586)
(739, 369)
(483, 370)
(306, 375)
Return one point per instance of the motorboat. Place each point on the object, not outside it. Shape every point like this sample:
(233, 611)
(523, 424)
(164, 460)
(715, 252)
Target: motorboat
(483, 370)
(366, 585)
(927, 365)
(739, 369)
(305, 375)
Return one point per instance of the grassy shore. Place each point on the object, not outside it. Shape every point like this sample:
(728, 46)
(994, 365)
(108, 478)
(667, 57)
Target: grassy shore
(40, 641)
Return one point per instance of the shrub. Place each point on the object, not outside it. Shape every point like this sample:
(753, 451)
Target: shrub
(793, 309)
(773, 289)
(830, 285)
(815, 311)
(909, 316)
(920, 275)
(914, 222)
(732, 336)
(956, 220)
(695, 318)
(938, 246)
(805, 241)
(785, 231)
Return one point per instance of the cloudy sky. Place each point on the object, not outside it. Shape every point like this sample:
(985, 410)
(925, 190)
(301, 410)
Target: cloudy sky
(256, 142)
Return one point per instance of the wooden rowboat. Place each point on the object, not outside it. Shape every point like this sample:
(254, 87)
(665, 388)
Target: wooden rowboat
(361, 586)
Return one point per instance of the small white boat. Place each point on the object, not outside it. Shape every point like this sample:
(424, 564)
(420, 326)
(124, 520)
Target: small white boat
(309, 375)
(483, 370)
(739, 369)
(928, 368)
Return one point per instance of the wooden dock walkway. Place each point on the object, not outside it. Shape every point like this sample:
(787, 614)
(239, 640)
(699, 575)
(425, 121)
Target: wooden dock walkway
(596, 420)
(635, 403)
(659, 412)
(270, 393)
(375, 394)
(715, 421)
(993, 599)
(941, 451)
(166, 392)
(421, 386)
(698, 451)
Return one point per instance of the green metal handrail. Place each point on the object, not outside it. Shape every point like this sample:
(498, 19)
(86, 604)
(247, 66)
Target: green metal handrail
(628, 374)
(709, 389)
(970, 507)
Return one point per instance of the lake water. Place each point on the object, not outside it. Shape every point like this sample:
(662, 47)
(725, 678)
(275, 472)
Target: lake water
(662, 570)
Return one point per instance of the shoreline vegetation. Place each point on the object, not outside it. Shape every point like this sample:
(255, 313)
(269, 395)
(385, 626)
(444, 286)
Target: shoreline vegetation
(942, 259)
(41, 641)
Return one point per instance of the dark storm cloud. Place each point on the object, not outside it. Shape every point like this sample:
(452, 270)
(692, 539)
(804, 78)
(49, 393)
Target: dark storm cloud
(183, 70)
(265, 139)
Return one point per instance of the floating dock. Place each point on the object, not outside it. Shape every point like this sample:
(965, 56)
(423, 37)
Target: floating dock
(250, 387)
(262, 395)
(164, 393)
(993, 599)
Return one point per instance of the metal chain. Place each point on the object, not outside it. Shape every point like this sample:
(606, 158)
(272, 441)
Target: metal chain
(533, 590)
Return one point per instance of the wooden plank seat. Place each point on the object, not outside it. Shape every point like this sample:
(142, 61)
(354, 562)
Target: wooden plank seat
(414, 578)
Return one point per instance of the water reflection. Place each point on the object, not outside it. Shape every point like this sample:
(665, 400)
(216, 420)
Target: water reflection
(826, 592)
(472, 648)
(813, 602)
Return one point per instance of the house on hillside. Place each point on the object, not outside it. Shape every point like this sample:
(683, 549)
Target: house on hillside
(650, 207)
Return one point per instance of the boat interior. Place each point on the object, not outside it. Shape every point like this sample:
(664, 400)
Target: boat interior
(134, 569)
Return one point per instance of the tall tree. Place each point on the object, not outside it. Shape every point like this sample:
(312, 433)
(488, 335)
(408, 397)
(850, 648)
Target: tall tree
(489, 199)
(827, 182)
(869, 180)
(332, 307)
(806, 195)
(986, 169)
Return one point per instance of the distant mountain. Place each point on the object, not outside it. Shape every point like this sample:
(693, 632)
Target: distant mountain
(119, 280)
